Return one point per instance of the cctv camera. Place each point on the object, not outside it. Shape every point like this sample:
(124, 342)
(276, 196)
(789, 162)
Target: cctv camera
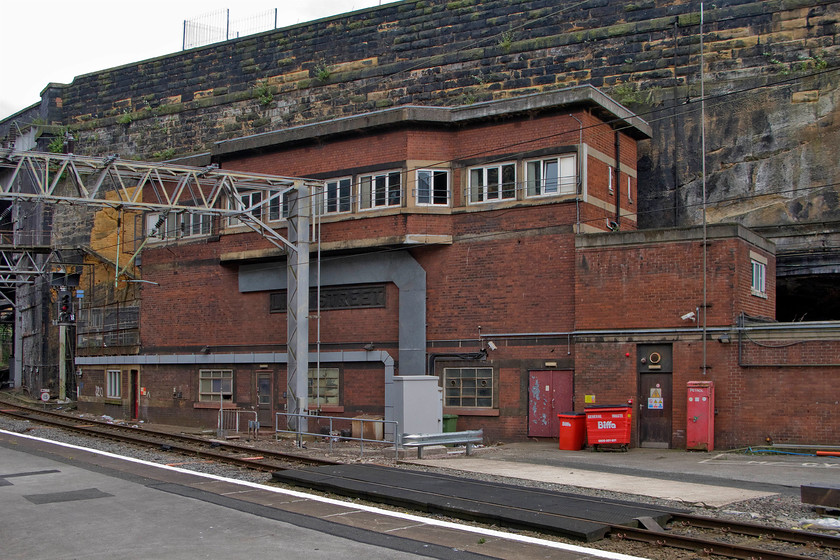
(688, 316)
(491, 345)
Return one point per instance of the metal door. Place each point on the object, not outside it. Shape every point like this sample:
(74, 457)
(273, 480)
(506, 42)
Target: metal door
(134, 393)
(655, 408)
(265, 400)
(549, 393)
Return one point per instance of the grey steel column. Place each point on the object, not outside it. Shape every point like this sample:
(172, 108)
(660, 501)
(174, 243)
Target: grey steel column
(297, 305)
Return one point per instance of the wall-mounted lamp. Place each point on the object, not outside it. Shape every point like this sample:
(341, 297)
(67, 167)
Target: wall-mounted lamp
(724, 338)
(491, 345)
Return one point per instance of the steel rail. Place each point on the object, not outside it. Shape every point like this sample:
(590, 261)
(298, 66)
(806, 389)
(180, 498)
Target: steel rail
(805, 538)
(703, 546)
(180, 443)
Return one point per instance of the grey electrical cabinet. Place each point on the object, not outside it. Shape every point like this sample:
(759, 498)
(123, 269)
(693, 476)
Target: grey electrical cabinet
(418, 404)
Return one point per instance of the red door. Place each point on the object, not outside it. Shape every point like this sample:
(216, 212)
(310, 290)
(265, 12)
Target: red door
(549, 394)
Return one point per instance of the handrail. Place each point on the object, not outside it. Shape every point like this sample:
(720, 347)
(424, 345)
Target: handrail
(333, 434)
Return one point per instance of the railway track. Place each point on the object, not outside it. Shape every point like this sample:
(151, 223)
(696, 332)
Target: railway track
(216, 450)
(704, 536)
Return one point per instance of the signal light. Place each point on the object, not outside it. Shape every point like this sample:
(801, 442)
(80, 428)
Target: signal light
(65, 307)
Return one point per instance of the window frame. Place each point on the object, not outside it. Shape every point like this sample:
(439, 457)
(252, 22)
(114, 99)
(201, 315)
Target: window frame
(324, 381)
(480, 194)
(558, 184)
(209, 374)
(256, 212)
(391, 197)
(431, 193)
(448, 387)
(113, 384)
(343, 203)
(758, 277)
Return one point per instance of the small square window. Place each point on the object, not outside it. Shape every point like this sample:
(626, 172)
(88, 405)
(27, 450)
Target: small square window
(759, 278)
(468, 387)
(215, 384)
(113, 385)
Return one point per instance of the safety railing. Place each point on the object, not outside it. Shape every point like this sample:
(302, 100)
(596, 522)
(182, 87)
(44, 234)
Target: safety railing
(335, 429)
(234, 419)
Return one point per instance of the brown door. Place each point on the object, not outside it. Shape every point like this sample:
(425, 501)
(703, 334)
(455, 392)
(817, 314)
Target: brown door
(549, 394)
(134, 393)
(655, 408)
(265, 398)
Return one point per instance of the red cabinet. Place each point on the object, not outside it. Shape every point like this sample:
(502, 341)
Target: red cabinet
(700, 431)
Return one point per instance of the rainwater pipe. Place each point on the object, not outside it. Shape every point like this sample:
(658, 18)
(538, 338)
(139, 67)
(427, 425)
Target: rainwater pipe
(579, 186)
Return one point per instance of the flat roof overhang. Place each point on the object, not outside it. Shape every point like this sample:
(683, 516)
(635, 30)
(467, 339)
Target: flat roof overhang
(609, 110)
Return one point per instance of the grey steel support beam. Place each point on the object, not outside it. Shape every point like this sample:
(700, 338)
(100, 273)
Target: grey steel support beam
(297, 301)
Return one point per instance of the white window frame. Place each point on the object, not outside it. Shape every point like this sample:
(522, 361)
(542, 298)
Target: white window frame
(610, 173)
(550, 176)
(277, 205)
(215, 382)
(380, 190)
(113, 384)
(428, 191)
(246, 200)
(487, 183)
(177, 225)
(458, 392)
(338, 196)
(758, 275)
(195, 224)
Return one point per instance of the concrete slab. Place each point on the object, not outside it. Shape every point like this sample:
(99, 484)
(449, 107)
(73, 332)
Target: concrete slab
(708, 495)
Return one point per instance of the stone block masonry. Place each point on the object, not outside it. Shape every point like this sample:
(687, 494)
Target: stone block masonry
(769, 69)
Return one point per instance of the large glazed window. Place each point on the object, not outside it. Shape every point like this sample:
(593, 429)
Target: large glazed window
(495, 182)
(551, 176)
(380, 191)
(337, 196)
(432, 187)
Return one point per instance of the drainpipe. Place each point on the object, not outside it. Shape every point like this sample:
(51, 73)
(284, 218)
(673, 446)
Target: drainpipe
(618, 179)
(579, 186)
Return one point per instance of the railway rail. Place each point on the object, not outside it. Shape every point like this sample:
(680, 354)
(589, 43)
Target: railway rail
(703, 535)
(216, 450)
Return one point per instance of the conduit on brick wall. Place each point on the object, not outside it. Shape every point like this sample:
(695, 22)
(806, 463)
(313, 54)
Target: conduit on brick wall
(398, 267)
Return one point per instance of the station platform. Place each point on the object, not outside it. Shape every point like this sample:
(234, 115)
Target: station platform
(67, 502)
(711, 479)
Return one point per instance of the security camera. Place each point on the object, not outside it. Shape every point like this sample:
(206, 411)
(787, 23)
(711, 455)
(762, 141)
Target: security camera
(491, 345)
(688, 316)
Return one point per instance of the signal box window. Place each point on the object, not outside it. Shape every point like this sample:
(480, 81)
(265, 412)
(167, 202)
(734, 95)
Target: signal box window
(468, 387)
(380, 191)
(337, 197)
(496, 182)
(551, 176)
(432, 187)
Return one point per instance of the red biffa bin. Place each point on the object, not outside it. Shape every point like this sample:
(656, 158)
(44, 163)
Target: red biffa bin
(572, 430)
(608, 425)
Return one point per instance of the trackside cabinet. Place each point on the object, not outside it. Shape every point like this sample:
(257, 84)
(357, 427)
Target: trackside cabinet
(700, 433)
